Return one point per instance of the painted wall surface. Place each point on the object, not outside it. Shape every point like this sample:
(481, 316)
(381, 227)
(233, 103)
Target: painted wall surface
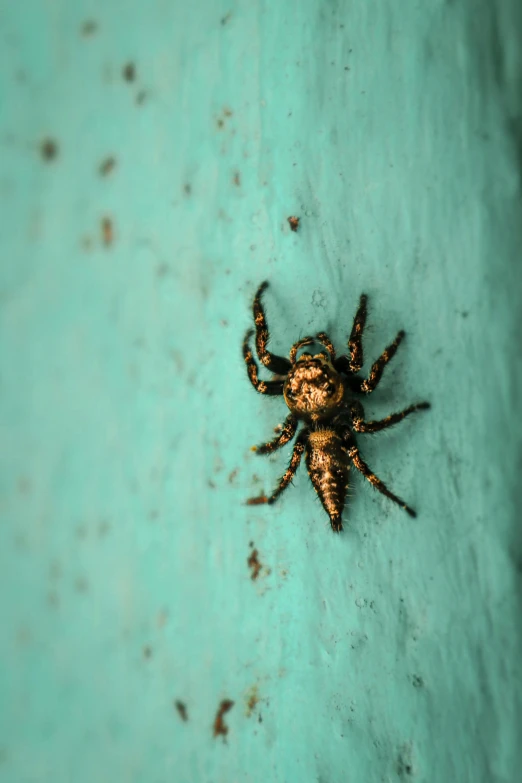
(151, 154)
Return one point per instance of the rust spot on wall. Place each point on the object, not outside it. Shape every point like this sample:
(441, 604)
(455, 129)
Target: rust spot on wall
(107, 231)
(220, 728)
(258, 501)
(251, 700)
(293, 222)
(254, 564)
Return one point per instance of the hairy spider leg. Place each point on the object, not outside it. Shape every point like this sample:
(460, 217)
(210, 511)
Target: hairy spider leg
(294, 464)
(276, 364)
(360, 464)
(325, 340)
(360, 425)
(287, 433)
(355, 342)
(371, 383)
(356, 360)
(263, 387)
(299, 344)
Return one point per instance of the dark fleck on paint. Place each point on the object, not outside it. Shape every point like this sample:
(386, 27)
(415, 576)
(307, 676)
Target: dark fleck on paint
(258, 501)
(182, 710)
(226, 19)
(404, 763)
(90, 27)
(293, 222)
(147, 652)
(81, 585)
(162, 270)
(129, 72)
(49, 149)
(187, 188)
(417, 681)
(107, 231)
(252, 700)
(237, 179)
(232, 475)
(141, 97)
(227, 112)
(220, 727)
(220, 123)
(254, 564)
(106, 166)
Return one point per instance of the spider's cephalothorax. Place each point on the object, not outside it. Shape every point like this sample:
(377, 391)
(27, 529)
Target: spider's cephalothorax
(321, 391)
(313, 389)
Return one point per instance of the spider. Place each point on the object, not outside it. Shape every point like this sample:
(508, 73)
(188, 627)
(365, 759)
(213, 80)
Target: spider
(320, 391)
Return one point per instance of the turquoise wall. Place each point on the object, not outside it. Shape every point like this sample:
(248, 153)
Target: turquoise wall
(151, 154)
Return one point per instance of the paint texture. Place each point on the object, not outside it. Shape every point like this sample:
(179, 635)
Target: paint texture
(155, 627)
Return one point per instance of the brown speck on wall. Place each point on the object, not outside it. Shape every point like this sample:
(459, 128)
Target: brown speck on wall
(252, 700)
(293, 222)
(90, 27)
(258, 501)
(106, 166)
(220, 728)
(254, 564)
(48, 150)
(129, 72)
(107, 231)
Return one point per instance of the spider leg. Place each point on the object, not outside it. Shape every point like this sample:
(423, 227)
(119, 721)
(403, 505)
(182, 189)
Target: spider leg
(353, 364)
(325, 340)
(360, 464)
(299, 344)
(370, 384)
(294, 464)
(276, 364)
(359, 425)
(355, 341)
(263, 387)
(287, 433)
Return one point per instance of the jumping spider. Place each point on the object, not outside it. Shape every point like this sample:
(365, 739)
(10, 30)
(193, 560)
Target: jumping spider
(319, 391)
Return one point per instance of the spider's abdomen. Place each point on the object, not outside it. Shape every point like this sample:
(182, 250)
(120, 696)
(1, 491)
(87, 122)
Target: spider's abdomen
(328, 468)
(313, 389)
